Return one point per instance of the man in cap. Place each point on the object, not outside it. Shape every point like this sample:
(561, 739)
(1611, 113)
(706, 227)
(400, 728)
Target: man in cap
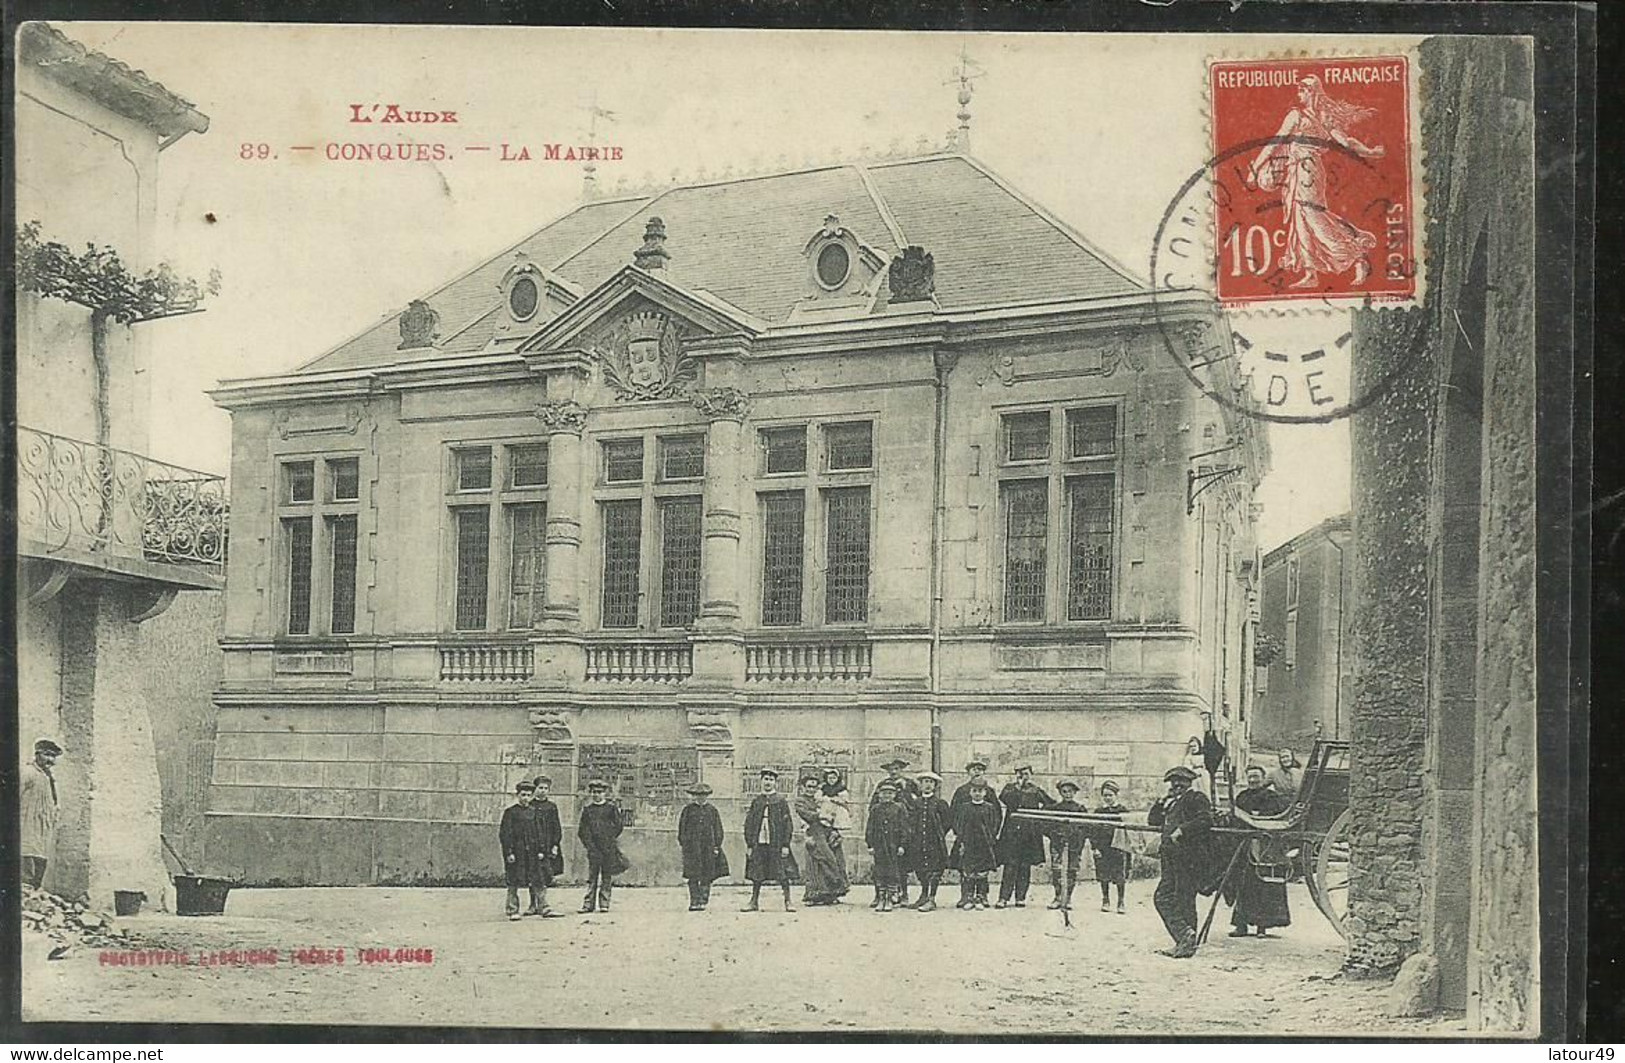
(1065, 846)
(977, 770)
(38, 808)
(769, 828)
(1021, 841)
(600, 833)
(1111, 863)
(1185, 816)
(886, 834)
(522, 855)
(550, 832)
(928, 825)
(699, 835)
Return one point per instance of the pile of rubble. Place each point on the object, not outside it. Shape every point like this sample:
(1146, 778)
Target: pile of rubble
(69, 923)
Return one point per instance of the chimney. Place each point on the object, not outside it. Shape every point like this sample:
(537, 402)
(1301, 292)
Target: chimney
(653, 254)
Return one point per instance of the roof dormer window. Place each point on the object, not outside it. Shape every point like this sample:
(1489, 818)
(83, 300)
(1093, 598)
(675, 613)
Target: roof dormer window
(834, 266)
(523, 298)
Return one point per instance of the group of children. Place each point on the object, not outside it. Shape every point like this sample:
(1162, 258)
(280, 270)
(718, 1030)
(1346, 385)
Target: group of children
(907, 831)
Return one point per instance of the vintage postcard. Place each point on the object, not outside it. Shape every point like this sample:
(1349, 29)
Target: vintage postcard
(530, 528)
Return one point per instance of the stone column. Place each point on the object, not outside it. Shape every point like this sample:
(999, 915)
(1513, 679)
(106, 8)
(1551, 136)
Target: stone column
(559, 654)
(718, 644)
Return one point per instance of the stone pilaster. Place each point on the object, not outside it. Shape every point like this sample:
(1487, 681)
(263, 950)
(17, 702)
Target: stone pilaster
(558, 657)
(718, 645)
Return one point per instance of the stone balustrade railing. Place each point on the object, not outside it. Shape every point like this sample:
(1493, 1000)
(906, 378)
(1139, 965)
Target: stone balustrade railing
(640, 661)
(812, 660)
(486, 662)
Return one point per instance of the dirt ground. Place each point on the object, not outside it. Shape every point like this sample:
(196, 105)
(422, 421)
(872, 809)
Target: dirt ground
(653, 965)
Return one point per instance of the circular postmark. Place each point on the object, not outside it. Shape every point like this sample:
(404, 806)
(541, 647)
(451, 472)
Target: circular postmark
(1286, 355)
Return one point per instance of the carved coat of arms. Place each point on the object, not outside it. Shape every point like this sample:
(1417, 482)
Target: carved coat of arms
(642, 358)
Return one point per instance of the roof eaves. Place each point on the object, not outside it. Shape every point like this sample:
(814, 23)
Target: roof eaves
(1066, 230)
(114, 84)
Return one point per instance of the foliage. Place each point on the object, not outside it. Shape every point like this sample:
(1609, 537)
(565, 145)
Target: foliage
(99, 280)
(1267, 648)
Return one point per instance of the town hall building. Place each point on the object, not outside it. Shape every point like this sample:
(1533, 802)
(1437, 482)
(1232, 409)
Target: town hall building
(818, 467)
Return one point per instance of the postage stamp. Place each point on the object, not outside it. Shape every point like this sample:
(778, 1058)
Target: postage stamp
(1314, 196)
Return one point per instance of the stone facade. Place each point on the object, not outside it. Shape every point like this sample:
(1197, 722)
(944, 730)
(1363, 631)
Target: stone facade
(386, 754)
(1304, 607)
(1445, 856)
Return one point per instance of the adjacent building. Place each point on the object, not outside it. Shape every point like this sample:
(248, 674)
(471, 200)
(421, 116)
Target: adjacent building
(810, 468)
(107, 536)
(1303, 691)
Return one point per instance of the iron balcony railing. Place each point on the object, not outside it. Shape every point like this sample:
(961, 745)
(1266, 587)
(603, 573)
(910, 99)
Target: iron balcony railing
(74, 496)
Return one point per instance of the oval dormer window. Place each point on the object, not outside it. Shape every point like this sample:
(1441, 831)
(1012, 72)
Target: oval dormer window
(522, 298)
(834, 266)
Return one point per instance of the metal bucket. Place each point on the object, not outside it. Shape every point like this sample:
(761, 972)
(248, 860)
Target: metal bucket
(128, 902)
(198, 895)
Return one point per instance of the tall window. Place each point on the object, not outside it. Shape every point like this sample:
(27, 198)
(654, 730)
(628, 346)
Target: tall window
(833, 575)
(1058, 501)
(497, 504)
(783, 523)
(679, 561)
(623, 533)
(318, 502)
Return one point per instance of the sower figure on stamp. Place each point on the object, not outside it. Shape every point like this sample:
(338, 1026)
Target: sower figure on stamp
(551, 836)
(905, 790)
(769, 828)
(699, 835)
(1185, 816)
(977, 770)
(38, 808)
(1021, 842)
(1065, 847)
(521, 852)
(976, 839)
(886, 834)
(1258, 903)
(927, 842)
(600, 832)
(1109, 845)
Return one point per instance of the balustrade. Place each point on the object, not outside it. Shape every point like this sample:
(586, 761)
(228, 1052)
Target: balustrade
(658, 662)
(807, 661)
(486, 662)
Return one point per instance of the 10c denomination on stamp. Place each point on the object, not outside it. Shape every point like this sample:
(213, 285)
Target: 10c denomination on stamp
(1315, 198)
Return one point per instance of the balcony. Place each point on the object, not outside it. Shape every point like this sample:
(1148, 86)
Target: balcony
(807, 661)
(640, 661)
(486, 662)
(111, 509)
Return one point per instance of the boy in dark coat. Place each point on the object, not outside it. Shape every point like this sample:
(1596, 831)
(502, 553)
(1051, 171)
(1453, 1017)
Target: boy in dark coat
(976, 839)
(886, 834)
(521, 852)
(599, 833)
(1185, 816)
(1021, 841)
(699, 835)
(1065, 847)
(927, 844)
(977, 770)
(1111, 865)
(550, 834)
(769, 828)
(906, 791)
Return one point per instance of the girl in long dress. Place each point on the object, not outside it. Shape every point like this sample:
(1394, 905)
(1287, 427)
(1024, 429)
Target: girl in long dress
(1318, 240)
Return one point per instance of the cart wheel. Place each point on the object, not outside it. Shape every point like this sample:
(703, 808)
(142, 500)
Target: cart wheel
(1329, 885)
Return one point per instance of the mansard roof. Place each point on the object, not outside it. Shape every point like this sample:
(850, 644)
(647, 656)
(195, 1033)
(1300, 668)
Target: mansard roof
(742, 241)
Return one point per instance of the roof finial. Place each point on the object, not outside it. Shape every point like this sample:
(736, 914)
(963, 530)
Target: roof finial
(589, 169)
(653, 254)
(965, 73)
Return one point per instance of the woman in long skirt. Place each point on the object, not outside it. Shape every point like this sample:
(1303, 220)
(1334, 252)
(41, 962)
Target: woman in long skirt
(825, 873)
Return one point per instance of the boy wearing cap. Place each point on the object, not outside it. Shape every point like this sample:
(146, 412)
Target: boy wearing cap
(1111, 864)
(38, 808)
(551, 831)
(906, 791)
(600, 831)
(699, 835)
(1065, 847)
(977, 770)
(1021, 842)
(886, 834)
(521, 851)
(1185, 815)
(769, 827)
(976, 838)
(927, 844)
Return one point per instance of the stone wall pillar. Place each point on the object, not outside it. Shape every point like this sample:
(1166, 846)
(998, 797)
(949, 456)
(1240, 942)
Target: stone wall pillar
(718, 645)
(560, 657)
(111, 798)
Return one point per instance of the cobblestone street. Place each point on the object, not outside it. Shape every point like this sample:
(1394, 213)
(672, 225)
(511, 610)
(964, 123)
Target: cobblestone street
(652, 964)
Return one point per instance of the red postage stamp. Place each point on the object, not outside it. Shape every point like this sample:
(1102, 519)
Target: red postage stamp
(1313, 180)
